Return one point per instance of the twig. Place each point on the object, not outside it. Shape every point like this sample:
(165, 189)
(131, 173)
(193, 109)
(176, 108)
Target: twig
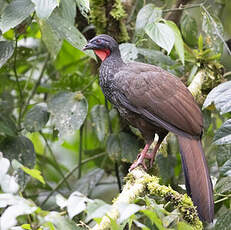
(67, 175)
(184, 7)
(80, 150)
(33, 91)
(18, 83)
(54, 158)
(116, 162)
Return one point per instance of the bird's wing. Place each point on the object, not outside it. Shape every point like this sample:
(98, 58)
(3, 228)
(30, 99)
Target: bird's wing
(160, 97)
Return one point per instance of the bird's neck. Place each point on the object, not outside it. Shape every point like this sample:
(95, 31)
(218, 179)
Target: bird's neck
(109, 67)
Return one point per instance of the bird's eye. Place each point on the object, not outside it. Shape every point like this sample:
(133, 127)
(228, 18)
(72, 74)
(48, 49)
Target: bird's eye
(98, 41)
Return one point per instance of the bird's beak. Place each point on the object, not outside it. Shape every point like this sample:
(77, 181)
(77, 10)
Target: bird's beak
(89, 46)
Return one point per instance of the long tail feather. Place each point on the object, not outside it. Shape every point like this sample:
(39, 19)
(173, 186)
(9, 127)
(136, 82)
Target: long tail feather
(197, 179)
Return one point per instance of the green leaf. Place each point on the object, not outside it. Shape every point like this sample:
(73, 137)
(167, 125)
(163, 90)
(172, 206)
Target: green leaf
(213, 30)
(126, 210)
(128, 52)
(224, 221)
(67, 12)
(68, 111)
(179, 44)
(21, 149)
(122, 146)
(51, 39)
(7, 126)
(223, 135)
(84, 7)
(161, 34)
(189, 29)
(223, 153)
(154, 218)
(44, 8)
(225, 170)
(36, 118)
(200, 43)
(148, 14)
(129, 147)
(99, 121)
(76, 198)
(221, 97)
(223, 185)
(35, 173)
(61, 222)
(96, 209)
(65, 30)
(15, 13)
(6, 51)
(184, 226)
(4, 166)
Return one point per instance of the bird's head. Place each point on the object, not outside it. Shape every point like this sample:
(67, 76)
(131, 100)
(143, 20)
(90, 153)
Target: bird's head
(103, 45)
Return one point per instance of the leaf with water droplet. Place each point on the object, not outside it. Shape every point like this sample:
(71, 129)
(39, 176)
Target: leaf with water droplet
(67, 113)
(6, 51)
(36, 118)
(15, 13)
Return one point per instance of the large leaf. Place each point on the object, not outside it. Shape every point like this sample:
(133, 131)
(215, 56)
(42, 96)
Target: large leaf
(148, 14)
(223, 135)
(179, 44)
(6, 51)
(128, 52)
(76, 198)
(225, 170)
(15, 13)
(221, 97)
(223, 185)
(96, 209)
(223, 153)
(67, 12)
(224, 221)
(7, 126)
(21, 149)
(84, 7)
(69, 32)
(51, 39)
(8, 218)
(213, 31)
(87, 183)
(61, 222)
(122, 146)
(189, 29)
(161, 34)
(154, 218)
(68, 111)
(100, 121)
(36, 118)
(44, 8)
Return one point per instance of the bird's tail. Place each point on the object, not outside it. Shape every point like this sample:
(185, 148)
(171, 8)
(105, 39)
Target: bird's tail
(197, 179)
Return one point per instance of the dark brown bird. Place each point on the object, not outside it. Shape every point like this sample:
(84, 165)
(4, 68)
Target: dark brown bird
(156, 102)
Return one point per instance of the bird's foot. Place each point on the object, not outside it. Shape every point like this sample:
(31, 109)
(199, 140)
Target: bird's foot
(138, 162)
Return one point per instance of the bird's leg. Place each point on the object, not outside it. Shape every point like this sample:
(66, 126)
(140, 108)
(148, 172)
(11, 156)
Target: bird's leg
(142, 156)
(152, 155)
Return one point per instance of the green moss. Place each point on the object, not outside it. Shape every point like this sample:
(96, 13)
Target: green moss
(98, 15)
(118, 11)
(182, 202)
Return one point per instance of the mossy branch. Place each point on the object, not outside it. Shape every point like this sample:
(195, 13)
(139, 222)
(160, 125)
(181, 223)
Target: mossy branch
(139, 183)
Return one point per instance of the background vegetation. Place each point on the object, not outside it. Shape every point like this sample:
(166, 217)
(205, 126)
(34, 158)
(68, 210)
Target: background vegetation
(65, 150)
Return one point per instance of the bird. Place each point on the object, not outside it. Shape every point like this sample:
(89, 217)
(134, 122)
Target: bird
(154, 101)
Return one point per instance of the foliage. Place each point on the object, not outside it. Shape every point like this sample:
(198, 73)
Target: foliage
(63, 144)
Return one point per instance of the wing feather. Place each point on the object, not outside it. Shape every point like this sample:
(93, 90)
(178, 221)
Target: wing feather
(160, 97)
